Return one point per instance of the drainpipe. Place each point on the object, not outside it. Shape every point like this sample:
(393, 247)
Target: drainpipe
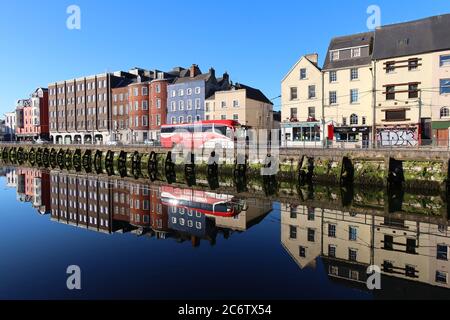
(374, 103)
(324, 137)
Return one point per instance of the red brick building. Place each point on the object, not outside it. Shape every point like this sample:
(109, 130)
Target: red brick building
(32, 117)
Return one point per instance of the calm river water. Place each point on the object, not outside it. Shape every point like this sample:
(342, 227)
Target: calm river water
(142, 240)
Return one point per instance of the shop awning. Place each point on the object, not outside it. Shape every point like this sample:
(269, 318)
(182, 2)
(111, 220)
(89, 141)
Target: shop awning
(440, 125)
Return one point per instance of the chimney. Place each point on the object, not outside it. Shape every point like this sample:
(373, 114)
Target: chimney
(212, 72)
(194, 71)
(226, 77)
(314, 58)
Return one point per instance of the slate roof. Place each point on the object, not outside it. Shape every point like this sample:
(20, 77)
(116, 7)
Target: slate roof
(414, 37)
(354, 40)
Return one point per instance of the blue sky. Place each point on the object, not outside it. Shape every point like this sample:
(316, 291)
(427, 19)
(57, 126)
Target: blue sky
(255, 41)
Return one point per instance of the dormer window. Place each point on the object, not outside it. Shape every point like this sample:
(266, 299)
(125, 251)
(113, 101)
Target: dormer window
(403, 42)
(334, 55)
(356, 52)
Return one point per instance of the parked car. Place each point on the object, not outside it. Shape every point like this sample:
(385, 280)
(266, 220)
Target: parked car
(114, 143)
(40, 141)
(150, 142)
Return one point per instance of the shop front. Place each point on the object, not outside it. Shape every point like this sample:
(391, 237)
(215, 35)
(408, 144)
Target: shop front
(301, 134)
(441, 133)
(349, 137)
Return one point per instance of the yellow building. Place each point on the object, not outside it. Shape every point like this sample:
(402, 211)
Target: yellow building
(301, 104)
(408, 67)
(247, 105)
(440, 109)
(348, 94)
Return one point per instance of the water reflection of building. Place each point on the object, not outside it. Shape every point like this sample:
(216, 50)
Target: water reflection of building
(33, 185)
(410, 251)
(114, 205)
(82, 201)
(11, 177)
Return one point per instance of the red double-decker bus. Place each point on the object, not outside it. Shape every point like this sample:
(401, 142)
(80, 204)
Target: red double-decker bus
(202, 134)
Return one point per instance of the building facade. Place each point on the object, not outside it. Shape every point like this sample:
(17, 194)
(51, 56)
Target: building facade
(80, 109)
(348, 96)
(187, 95)
(32, 116)
(440, 109)
(10, 126)
(302, 107)
(244, 104)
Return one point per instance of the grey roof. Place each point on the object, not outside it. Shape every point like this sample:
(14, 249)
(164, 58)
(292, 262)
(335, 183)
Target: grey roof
(203, 76)
(414, 37)
(354, 40)
(252, 93)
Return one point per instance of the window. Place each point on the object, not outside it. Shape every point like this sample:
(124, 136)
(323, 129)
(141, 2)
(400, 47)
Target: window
(197, 104)
(413, 64)
(390, 67)
(411, 246)
(332, 230)
(441, 277)
(352, 234)
(198, 90)
(189, 92)
(353, 119)
(444, 61)
(352, 255)
(388, 266)
(136, 92)
(363, 121)
(333, 97)
(332, 251)
(174, 93)
(312, 112)
(223, 104)
(302, 74)
(173, 106)
(181, 92)
(292, 232)
(413, 91)
(235, 103)
(395, 115)
(294, 95)
(235, 117)
(334, 55)
(158, 103)
(445, 112)
(302, 252)
(173, 120)
(356, 52)
(223, 117)
(344, 121)
(293, 114)
(144, 91)
(445, 86)
(442, 252)
(181, 119)
(311, 92)
(354, 95)
(145, 105)
(311, 214)
(333, 76)
(181, 105)
(136, 121)
(390, 93)
(311, 235)
(388, 242)
(189, 119)
(354, 74)
(145, 121)
(410, 271)
(189, 104)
